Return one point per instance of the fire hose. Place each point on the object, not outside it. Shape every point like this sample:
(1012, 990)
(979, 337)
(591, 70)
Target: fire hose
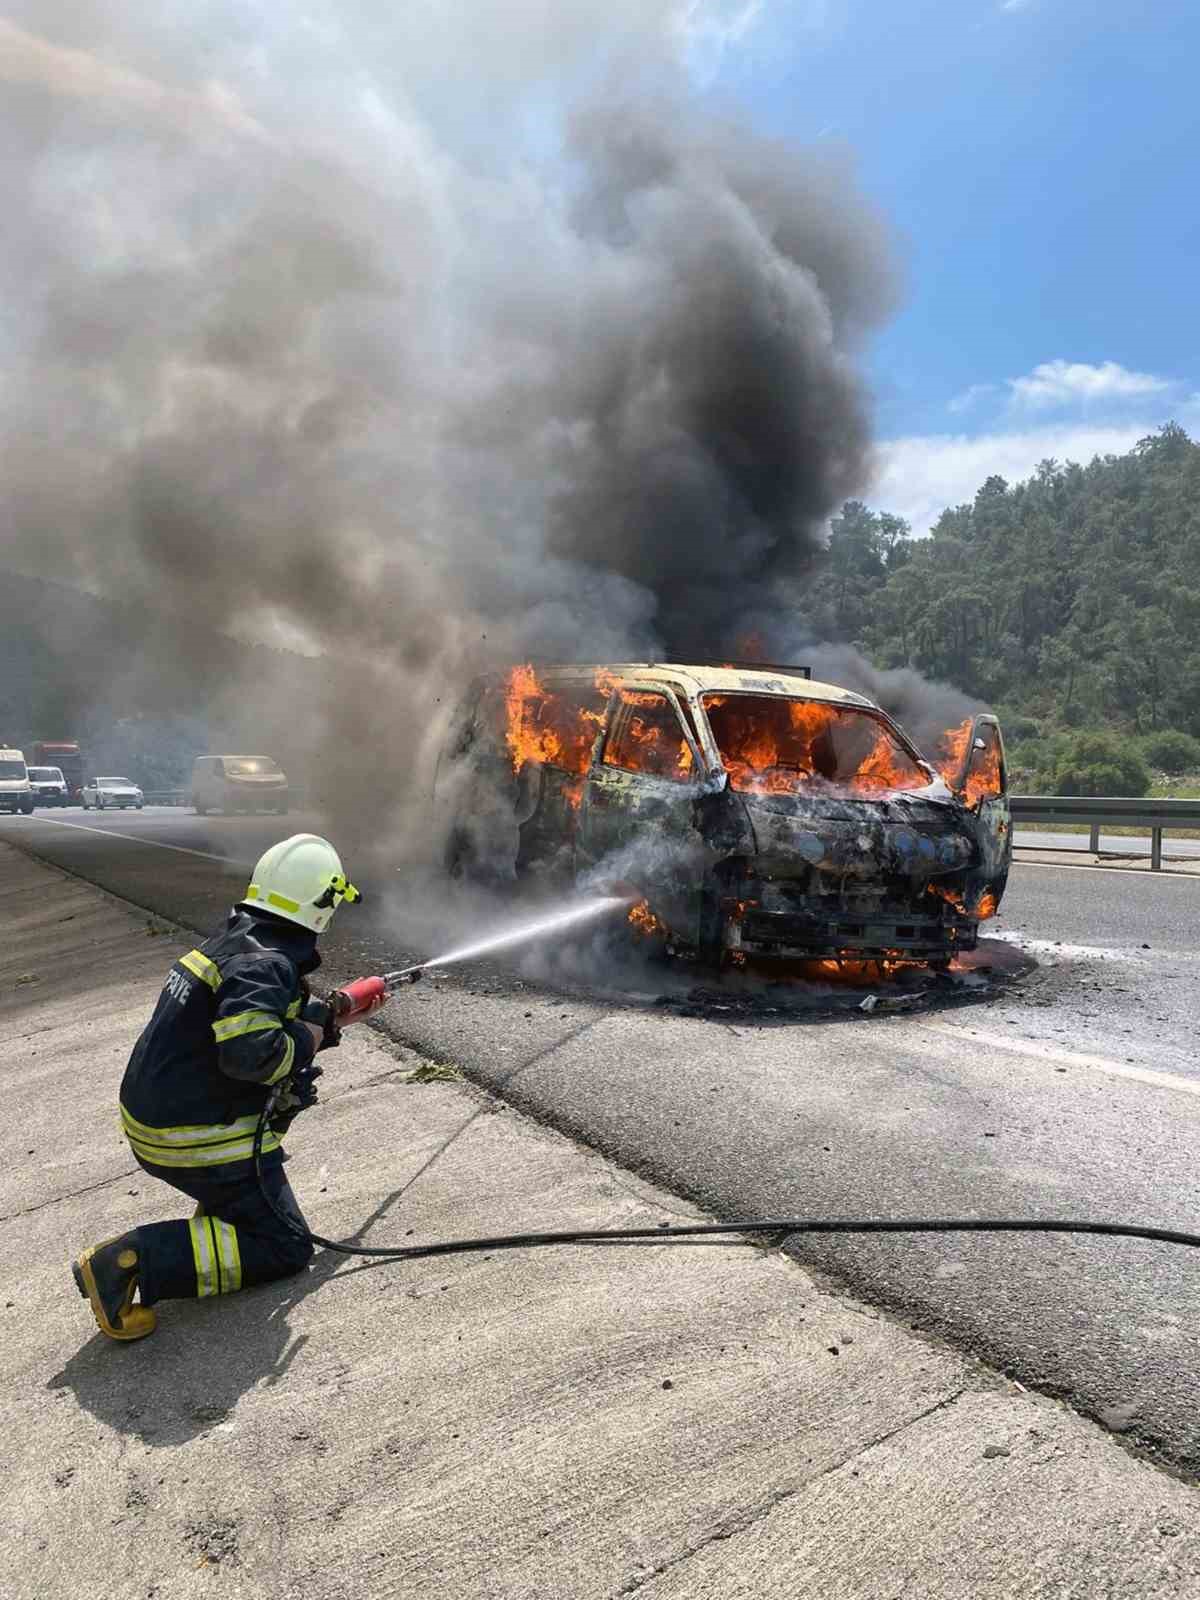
(364, 996)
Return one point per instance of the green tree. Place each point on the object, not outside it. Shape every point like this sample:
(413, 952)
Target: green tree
(1171, 752)
(1100, 764)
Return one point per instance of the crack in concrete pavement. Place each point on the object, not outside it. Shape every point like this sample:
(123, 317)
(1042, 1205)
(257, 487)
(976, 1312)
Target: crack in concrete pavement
(744, 1521)
(71, 1194)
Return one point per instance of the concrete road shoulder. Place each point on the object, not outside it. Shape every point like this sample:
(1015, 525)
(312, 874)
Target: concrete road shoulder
(579, 1422)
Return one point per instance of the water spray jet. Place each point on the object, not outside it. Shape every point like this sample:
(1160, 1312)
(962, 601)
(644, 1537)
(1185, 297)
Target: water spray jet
(359, 999)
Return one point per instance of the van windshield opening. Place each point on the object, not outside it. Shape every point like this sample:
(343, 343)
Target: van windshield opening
(251, 767)
(12, 769)
(770, 744)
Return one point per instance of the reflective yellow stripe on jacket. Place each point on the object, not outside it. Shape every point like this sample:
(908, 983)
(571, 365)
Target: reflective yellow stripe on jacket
(196, 1145)
(201, 967)
(285, 1066)
(226, 1028)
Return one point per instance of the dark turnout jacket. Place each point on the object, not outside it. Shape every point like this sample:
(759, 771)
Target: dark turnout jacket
(226, 1028)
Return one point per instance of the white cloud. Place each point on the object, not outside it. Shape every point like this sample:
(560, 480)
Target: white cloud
(708, 28)
(918, 477)
(1014, 5)
(971, 397)
(1063, 383)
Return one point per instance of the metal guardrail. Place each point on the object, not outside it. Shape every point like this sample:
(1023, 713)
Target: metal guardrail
(1116, 810)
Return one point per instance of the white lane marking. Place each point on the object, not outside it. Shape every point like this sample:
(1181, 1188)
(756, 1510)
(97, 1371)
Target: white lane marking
(137, 838)
(1069, 866)
(1066, 1058)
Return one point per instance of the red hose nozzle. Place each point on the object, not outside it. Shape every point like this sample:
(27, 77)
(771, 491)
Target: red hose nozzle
(365, 995)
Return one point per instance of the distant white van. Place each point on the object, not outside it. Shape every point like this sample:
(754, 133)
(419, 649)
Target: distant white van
(16, 791)
(238, 783)
(49, 786)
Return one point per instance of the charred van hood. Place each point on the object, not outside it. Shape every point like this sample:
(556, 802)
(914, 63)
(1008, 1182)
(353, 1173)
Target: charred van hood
(916, 835)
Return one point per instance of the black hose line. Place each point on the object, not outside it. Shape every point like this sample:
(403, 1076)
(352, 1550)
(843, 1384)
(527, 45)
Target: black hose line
(777, 1225)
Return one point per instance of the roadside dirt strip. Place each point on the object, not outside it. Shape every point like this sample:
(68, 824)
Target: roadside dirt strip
(661, 1420)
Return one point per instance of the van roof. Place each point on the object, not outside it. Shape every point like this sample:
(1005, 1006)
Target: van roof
(697, 680)
(12, 755)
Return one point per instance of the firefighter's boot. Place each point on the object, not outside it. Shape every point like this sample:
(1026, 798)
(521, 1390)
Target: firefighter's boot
(107, 1275)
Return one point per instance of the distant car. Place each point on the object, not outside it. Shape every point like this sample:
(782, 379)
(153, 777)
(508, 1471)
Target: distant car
(16, 792)
(107, 793)
(49, 786)
(238, 783)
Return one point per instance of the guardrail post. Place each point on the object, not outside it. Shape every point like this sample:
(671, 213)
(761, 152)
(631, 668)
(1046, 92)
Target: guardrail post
(1094, 841)
(1155, 849)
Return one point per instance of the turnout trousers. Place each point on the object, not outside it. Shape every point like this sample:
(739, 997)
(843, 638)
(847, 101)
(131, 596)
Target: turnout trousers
(232, 1241)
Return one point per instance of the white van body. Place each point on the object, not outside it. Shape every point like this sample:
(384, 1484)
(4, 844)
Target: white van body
(238, 783)
(16, 791)
(49, 786)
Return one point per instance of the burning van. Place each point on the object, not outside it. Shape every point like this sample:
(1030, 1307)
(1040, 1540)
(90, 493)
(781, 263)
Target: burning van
(756, 812)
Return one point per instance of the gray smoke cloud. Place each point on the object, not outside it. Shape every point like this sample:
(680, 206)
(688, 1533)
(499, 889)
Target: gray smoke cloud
(925, 708)
(417, 338)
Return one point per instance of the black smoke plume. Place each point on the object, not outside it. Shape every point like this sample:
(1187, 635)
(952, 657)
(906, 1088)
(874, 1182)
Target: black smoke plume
(401, 337)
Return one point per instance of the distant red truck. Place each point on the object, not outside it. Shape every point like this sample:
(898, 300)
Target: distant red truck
(68, 758)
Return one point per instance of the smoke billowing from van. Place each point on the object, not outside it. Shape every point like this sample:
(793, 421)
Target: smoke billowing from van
(417, 338)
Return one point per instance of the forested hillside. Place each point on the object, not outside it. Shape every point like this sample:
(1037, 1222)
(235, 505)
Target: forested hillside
(1069, 602)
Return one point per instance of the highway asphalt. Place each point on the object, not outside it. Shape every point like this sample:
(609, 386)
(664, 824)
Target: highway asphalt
(1064, 1084)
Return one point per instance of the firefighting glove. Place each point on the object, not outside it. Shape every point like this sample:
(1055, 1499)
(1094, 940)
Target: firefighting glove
(297, 1092)
(321, 1014)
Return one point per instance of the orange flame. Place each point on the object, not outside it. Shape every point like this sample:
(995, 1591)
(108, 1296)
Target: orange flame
(949, 896)
(983, 775)
(526, 739)
(770, 745)
(952, 751)
(642, 741)
(547, 727)
(986, 906)
(643, 919)
(858, 969)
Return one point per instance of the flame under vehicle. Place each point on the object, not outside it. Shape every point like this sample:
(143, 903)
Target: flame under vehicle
(758, 812)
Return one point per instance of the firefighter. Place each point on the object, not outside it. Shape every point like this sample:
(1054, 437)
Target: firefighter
(234, 1021)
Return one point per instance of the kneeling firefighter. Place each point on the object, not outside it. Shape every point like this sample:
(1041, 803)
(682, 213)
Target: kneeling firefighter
(234, 1021)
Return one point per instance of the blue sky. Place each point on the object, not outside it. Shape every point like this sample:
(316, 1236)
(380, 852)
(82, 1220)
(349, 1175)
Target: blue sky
(1038, 160)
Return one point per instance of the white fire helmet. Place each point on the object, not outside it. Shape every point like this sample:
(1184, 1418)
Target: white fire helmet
(301, 878)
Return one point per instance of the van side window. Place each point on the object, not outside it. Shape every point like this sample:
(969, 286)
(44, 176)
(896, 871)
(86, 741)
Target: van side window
(647, 737)
(986, 776)
(553, 724)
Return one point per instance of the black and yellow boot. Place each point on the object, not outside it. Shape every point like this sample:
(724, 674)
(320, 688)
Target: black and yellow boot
(107, 1275)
